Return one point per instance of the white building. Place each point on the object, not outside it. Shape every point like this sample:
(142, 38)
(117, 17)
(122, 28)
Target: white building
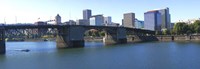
(97, 20)
(107, 21)
(58, 20)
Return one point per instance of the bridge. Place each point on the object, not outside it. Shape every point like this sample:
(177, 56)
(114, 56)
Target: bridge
(71, 36)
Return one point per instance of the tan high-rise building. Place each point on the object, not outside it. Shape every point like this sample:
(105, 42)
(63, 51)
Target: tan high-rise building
(129, 20)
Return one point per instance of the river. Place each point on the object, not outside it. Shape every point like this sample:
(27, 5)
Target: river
(149, 55)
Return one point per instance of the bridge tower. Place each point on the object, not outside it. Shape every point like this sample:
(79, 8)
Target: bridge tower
(70, 37)
(115, 36)
(2, 41)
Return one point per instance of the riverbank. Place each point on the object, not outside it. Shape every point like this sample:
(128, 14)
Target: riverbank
(131, 38)
(178, 37)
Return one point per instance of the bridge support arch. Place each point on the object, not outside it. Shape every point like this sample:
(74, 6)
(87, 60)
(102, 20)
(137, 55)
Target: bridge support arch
(2, 41)
(70, 37)
(115, 36)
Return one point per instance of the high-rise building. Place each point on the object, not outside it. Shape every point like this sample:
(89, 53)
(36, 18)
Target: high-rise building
(58, 20)
(97, 20)
(152, 20)
(172, 26)
(87, 13)
(165, 18)
(107, 21)
(129, 20)
(122, 22)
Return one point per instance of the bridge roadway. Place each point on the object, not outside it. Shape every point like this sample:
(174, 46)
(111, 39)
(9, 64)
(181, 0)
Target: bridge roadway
(70, 36)
(61, 26)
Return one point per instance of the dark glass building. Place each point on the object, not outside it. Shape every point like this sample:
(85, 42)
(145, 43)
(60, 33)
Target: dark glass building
(152, 20)
(160, 18)
(87, 14)
(165, 18)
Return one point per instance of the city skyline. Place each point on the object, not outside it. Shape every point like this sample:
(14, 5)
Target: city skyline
(18, 10)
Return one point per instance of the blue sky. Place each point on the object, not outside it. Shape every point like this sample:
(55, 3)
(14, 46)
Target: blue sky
(31, 10)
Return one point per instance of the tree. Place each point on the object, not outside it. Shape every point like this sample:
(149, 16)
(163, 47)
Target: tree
(166, 32)
(102, 33)
(197, 26)
(191, 27)
(88, 33)
(180, 28)
(183, 28)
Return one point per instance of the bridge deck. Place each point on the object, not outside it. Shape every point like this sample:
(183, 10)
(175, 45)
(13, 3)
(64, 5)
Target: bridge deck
(6, 27)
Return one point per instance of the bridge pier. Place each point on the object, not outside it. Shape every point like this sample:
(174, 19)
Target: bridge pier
(70, 37)
(115, 36)
(2, 41)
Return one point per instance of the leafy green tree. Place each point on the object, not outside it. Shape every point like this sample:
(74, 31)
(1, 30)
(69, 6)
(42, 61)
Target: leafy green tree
(158, 32)
(172, 32)
(197, 26)
(191, 28)
(88, 33)
(102, 33)
(186, 29)
(180, 28)
(166, 32)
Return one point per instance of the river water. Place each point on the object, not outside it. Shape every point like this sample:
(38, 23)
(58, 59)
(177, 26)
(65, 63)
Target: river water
(149, 55)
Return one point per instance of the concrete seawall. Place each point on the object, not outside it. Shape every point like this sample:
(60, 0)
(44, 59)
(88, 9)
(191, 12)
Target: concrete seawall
(179, 38)
(163, 38)
(134, 38)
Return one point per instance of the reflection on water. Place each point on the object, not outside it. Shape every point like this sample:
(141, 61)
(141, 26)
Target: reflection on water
(150, 55)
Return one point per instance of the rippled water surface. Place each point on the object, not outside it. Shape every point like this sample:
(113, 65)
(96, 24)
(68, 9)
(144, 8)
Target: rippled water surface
(150, 55)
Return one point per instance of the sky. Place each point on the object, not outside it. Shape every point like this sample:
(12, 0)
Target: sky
(28, 11)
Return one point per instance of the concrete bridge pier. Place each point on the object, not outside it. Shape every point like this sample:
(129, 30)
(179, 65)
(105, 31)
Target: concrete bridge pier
(70, 37)
(2, 41)
(115, 36)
